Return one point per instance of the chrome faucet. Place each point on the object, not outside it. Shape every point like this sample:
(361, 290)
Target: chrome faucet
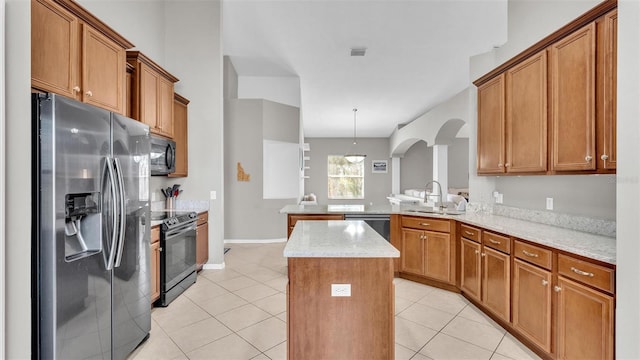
(439, 195)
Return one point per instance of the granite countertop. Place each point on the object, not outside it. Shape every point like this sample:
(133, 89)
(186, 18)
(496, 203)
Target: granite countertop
(337, 238)
(181, 205)
(598, 247)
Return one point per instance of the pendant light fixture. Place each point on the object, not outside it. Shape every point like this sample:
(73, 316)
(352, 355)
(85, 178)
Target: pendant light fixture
(353, 156)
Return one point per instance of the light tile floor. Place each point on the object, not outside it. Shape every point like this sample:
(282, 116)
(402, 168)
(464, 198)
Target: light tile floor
(240, 313)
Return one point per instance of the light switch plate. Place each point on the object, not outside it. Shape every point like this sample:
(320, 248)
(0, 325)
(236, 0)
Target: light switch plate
(213, 195)
(340, 289)
(549, 203)
(499, 198)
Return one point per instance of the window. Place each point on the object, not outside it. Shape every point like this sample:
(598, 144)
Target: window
(346, 180)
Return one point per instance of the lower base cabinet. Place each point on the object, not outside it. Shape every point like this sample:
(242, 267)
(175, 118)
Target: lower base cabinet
(202, 240)
(154, 255)
(532, 303)
(585, 322)
(496, 285)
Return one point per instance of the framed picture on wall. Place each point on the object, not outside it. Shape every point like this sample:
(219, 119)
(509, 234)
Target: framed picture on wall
(379, 166)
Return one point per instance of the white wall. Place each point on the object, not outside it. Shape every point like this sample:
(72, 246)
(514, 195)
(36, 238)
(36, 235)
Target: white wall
(280, 89)
(628, 183)
(376, 186)
(416, 167)
(2, 192)
(18, 179)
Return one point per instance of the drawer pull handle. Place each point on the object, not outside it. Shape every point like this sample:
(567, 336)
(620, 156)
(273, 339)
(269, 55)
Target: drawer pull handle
(529, 254)
(494, 242)
(557, 288)
(580, 272)
(468, 233)
(544, 282)
(477, 252)
(425, 224)
(483, 254)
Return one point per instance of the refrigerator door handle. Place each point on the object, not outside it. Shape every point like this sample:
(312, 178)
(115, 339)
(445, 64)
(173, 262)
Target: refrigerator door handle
(122, 211)
(114, 218)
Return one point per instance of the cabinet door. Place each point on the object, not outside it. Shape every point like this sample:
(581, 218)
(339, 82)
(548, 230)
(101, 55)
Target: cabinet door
(54, 49)
(103, 71)
(470, 268)
(606, 94)
(585, 322)
(526, 116)
(496, 285)
(148, 97)
(202, 245)
(573, 101)
(155, 271)
(165, 107)
(180, 136)
(491, 126)
(437, 253)
(532, 303)
(412, 252)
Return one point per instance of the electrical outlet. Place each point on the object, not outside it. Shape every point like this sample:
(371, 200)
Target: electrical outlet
(549, 203)
(340, 289)
(153, 196)
(499, 198)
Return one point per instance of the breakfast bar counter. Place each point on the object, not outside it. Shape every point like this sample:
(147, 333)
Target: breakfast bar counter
(340, 296)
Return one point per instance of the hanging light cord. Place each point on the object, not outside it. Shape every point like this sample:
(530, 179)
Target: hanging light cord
(354, 126)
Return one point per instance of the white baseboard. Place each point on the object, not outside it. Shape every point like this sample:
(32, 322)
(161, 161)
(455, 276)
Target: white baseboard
(254, 241)
(213, 266)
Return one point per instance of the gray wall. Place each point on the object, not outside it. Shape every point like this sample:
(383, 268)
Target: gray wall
(416, 167)
(458, 156)
(247, 124)
(376, 186)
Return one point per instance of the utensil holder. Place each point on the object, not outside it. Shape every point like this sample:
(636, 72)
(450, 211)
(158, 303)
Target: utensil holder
(170, 203)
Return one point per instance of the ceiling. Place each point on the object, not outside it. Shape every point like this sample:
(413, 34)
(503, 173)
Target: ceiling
(417, 55)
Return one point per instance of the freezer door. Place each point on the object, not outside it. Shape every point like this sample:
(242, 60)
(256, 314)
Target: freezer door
(131, 277)
(72, 302)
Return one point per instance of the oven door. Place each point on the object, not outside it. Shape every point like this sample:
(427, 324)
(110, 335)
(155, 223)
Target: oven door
(178, 258)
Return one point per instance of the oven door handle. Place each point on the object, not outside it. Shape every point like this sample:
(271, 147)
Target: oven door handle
(177, 232)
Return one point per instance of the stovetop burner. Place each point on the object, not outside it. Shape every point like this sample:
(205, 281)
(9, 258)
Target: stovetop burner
(172, 218)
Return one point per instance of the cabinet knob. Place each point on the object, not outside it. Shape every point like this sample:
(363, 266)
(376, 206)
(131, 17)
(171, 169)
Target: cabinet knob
(544, 282)
(483, 255)
(588, 158)
(507, 164)
(76, 89)
(89, 93)
(159, 249)
(500, 165)
(476, 251)
(604, 157)
(557, 288)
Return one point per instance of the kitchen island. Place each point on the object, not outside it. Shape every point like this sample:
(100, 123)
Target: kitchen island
(340, 296)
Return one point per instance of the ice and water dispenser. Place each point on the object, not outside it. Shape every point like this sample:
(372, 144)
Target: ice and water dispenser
(82, 225)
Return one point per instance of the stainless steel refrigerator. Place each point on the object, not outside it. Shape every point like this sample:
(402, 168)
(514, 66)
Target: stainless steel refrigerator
(90, 272)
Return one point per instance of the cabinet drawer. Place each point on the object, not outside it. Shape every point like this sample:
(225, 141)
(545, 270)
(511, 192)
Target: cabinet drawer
(203, 217)
(498, 242)
(155, 234)
(424, 223)
(533, 254)
(586, 272)
(470, 233)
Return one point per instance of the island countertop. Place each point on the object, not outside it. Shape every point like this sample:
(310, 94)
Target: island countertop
(337, 239)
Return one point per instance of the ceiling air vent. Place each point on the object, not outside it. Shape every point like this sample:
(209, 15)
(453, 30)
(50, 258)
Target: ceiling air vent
(358, 51)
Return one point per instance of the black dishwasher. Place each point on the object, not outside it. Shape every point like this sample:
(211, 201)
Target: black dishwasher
(379, 222)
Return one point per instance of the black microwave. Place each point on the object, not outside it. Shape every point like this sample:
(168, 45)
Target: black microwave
(162, 156)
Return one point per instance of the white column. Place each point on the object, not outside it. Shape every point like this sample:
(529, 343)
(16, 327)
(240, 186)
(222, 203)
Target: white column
(395, 175)
(441, 168)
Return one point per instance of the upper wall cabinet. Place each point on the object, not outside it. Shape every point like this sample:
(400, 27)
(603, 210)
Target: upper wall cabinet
(76, 55)
(572, 82)
(180, 136)
(556, 114)
(152, 94)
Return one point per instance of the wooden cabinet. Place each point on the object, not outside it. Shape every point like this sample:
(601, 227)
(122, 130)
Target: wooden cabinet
(526, 116)
(76, 55)
(585, 309)
(532, 303)
(293, 218)
(572, 107)
(153, 95)
(128, 107)
(490, 152)
(485, 272)
(606, 95)
(426, 249)
(155, 263)
(180, 136)
(202, 240)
